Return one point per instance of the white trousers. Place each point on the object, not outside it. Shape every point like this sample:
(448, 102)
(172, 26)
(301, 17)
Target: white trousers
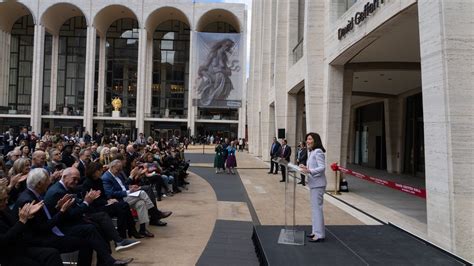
(141, 204)
(317, 215)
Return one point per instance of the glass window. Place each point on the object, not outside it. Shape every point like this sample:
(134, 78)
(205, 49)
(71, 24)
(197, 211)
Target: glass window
(122, 63)
(71, 67)
(47, 72)
(170, 69)
(21, 62)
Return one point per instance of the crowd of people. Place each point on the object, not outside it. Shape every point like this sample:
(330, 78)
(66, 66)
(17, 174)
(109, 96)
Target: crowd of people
(60, 194)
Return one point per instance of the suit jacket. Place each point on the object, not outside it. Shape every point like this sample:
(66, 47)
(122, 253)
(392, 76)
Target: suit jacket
(302, 156)
(317, 167)
(11, 234)
(82, 170)
(275, 149)
(74, 213)
(112, 188)
(285, 152)
(39, 225)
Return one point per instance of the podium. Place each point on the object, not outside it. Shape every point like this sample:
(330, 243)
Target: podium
(290, 235)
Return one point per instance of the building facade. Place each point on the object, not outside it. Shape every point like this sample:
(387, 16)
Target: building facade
(388, 84)
(63, 62)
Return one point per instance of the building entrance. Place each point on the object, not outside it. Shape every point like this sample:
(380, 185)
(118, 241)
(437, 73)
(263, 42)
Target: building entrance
(414, 157)
(370, 147)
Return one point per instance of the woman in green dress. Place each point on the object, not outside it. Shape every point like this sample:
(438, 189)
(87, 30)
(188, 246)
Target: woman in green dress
(219, 159)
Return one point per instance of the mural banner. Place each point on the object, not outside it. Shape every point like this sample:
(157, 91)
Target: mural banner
(218, 81)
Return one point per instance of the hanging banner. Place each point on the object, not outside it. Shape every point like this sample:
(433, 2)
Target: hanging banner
(218, 81)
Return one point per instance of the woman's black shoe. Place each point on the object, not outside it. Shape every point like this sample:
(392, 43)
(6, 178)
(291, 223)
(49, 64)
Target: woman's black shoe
(310, 235)
(147, 233)
(136, 235)
(316, 240)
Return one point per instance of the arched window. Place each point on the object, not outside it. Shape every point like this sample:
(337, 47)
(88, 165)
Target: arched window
(170, 69)
(122, 63)
(21, 65)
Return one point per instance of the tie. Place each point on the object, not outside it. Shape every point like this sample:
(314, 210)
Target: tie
(55, 229)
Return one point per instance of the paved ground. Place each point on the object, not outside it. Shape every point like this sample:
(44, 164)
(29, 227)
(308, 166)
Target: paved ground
(213, 220)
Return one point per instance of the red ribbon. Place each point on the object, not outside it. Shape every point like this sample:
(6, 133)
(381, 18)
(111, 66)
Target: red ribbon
(404, 188)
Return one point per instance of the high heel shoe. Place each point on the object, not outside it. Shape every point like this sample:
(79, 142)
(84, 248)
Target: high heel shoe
(310, 235)
(316, 240)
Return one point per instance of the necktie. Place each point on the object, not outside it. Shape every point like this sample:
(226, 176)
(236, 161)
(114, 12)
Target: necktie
(55, 229)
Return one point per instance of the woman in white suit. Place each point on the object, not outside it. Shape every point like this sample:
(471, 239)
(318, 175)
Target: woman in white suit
(315, 170)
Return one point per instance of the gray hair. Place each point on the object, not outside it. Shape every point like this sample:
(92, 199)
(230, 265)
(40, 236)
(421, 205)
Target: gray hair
(35, 177)
(51, 152)
(114, 163)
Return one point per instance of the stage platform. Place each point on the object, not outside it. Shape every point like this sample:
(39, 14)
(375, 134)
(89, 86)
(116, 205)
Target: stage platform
(350, 245)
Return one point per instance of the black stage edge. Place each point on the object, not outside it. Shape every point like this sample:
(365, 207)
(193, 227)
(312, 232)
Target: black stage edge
(350, 245)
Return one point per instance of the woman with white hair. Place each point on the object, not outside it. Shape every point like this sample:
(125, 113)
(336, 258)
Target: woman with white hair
(104, 157)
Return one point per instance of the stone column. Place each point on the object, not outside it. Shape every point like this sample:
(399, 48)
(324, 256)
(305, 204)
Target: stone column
(89, 78)
(291, 121)
(53, 89)
(252, 90)
(394, 124)
(331, 133)
(447, 59)
(267, 135)
(191, 93)
(5, 38)
(283, 116)
(243, 63)
(257, 81)
(142, 47)
(37, 77)
(313, 49)
(101, 78)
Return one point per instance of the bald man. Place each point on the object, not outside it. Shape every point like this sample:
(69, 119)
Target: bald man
(75, 214)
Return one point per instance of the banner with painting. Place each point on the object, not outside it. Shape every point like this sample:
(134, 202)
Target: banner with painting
(218, 81)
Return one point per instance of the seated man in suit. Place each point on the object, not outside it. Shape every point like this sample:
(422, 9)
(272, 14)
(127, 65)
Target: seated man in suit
(16, 248)
(118, 188)
(65, 186)
(43, 229)
(46, 229)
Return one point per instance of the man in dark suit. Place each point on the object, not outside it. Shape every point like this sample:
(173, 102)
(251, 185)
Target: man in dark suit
(65, 186)
(285, 153)
(84, 159)
(23, 136)
(301, 158)
(274, 153)
(17, 249)
(118, 188)
(47, 229)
